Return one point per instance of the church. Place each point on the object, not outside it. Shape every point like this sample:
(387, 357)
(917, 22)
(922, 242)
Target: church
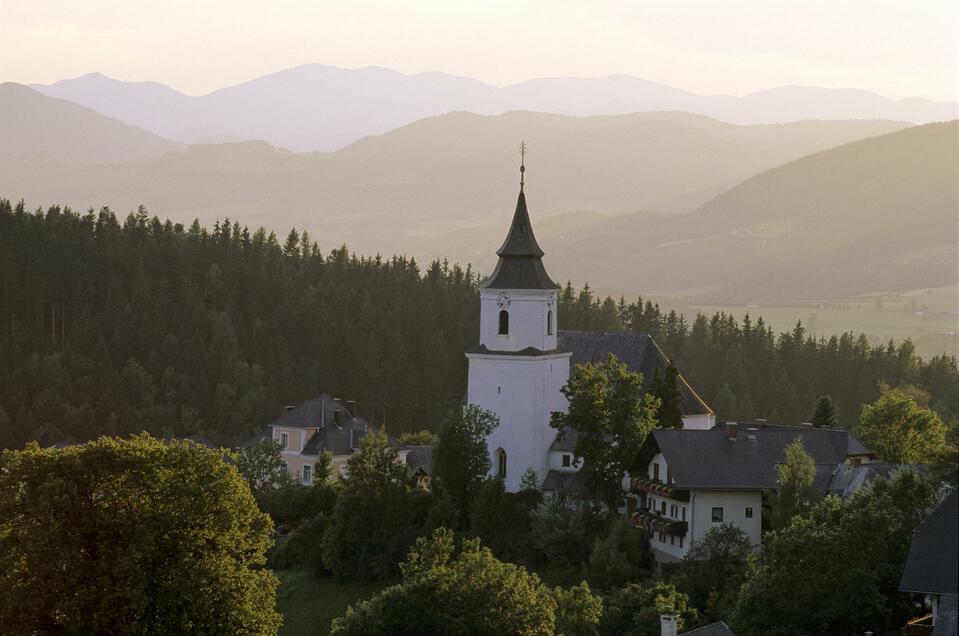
(522, 361)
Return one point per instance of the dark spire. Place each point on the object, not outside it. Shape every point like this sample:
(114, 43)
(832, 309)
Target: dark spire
(520, 263)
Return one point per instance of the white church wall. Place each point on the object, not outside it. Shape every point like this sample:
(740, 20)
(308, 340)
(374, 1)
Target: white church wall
(522, 391)
(528, 312)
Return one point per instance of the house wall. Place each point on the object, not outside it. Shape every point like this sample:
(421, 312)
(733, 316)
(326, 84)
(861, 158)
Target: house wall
(734, 503)
(702, 422)
(556, 462)
(669, 547)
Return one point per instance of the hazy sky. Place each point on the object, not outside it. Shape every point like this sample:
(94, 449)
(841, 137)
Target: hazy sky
(898, 49)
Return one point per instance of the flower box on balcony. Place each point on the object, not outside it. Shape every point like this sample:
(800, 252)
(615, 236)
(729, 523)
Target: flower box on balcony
(641, 485)
(658, 523)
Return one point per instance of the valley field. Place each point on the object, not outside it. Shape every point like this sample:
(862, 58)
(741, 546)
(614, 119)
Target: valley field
(930, 317)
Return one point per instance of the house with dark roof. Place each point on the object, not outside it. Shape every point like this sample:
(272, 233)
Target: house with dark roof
(688, 481)
(522, 362)
(932, 567)
(305, 431)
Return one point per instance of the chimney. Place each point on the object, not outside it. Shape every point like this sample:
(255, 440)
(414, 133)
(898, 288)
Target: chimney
(761, 422)
(731, 430)
(289, 407)
(667, 624)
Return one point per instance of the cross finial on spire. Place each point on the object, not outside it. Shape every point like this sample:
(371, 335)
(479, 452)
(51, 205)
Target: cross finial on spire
(522, 165)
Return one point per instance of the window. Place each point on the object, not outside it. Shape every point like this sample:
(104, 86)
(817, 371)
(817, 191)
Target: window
(717, 515)
(549, 322)
(662, 510)
(672, 539)
(684, 516)
(284, 440)
(681, 540)
(501, 463)
(307, 474)
(656, 471)
(567, 460)
(672, 511)
(503, 322)
(749, 512)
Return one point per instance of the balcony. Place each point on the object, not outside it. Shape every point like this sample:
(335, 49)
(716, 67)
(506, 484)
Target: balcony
(655, 522)
(644, 486)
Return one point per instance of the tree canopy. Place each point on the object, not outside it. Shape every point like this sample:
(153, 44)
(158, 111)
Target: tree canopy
(837, 569)
(793, 484)
(131, 537)
(468, 592)
(611, 417)
(115, 326)
(900, 431)
(461, 459)
(825, 415)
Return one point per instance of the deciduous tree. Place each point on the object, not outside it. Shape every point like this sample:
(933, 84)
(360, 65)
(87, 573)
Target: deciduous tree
(131, 537)
(611, 417)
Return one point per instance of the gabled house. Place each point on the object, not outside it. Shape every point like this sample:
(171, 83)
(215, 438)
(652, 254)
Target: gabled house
(305, 431)
(932, 567)
(688, 481)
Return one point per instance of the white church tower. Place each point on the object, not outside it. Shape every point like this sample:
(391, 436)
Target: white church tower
(517, 370)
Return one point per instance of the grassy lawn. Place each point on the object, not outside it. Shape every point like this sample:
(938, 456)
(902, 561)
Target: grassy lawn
(309, 604)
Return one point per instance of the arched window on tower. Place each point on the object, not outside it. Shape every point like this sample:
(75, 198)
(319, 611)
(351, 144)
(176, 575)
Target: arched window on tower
(504, 323)
(501, 463)
(549, 322)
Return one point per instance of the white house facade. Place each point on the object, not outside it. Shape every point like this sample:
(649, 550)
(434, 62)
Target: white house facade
(690, 481)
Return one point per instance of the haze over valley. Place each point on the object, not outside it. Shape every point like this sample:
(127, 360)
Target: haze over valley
(681, 206)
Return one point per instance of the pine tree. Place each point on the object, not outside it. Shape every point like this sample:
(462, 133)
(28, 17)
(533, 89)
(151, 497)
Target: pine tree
(665, 386)
(825, 415)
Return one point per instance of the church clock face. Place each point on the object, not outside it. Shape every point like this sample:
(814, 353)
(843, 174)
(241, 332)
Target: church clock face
(503, 300)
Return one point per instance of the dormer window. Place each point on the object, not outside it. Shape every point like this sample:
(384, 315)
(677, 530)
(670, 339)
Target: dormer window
(503, 322)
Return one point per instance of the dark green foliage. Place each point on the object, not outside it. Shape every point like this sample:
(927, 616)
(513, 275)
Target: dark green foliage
(112, 327)
(148, 325)
(303, 547)
(612, 418)
(562, 536)
(837, 570)
(665, 386)
(131, 537)
(294, 503)
(634, 610)
(825, 415)
(503, 520)
(461, 459)
(418, 438)
(619, 557)
(377, 515)
(467, 594)
(713, 570)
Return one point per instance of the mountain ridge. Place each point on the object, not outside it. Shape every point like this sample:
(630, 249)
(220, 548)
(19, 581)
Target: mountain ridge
(315, 107)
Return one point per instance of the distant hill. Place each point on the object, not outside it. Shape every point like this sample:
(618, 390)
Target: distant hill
(873, 215)
(398, 191)
(33, 124)
(317, 107)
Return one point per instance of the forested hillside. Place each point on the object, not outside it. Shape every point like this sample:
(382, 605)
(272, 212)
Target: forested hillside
(115, 327)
